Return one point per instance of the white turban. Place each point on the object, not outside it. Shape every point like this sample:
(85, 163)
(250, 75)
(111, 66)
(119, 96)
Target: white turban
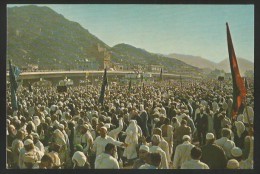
(61, 126)
(60, 138)
(156, 138)
(53, 108)
(236, 152)
(27, 142)
(36, 121)
(186, 137)
(103, 127)
(132, 132)
(107, 126)
(144, 147)
(240, 127)
(80, 158)
(35, 135)
(141, 107)
(240, 117)
(33, 125)
(232, 164)
(210, 136)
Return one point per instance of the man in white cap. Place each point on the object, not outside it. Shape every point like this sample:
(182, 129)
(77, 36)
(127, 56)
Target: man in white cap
(79, 161)
(225, 142)
(233, 164)
(86, 139)
(163, 143)
(212, 154)
(215, 106)
(182, 152)
(101, 141)
(156, 149)
(238, 155)
(29, 148)
(106, 159)
(143, 150)
(59, 138)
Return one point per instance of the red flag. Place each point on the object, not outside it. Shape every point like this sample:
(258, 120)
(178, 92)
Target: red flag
(239, 90)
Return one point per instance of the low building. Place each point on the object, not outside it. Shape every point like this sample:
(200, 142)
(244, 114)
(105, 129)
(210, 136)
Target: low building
(154, 68)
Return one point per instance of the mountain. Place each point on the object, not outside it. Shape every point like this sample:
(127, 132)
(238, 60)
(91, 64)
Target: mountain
(132, 56)
(194, 60)
(39, 35)
(244, 65)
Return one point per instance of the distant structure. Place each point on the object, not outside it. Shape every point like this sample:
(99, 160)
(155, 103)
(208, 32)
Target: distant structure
(105, 57)
(154, 68)
(30, 67)
(118, 67)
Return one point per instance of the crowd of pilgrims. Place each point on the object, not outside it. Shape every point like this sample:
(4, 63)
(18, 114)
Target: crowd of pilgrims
(156, 125)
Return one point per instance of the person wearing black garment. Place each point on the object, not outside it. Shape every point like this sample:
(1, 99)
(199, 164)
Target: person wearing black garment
(212, 154)
(144, 117)
(217, 123)
(71, 127)
(201, 123)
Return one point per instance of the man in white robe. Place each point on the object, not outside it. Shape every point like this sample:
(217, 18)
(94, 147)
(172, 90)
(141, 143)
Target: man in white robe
(182, 152)
(131, 140)
(156, 149)
(106, 159)
(101, 141)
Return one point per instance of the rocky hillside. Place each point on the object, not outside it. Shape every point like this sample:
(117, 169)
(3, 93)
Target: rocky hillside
(39, 35)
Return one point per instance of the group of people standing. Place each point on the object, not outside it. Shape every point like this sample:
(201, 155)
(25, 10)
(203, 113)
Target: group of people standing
(151, 126)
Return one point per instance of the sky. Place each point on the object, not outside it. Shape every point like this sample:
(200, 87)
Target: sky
(198, 30)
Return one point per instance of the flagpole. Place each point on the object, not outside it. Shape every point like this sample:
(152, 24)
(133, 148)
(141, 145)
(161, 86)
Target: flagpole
(239, 90)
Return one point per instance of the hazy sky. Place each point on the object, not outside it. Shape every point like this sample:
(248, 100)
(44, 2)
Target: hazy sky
(197, 30)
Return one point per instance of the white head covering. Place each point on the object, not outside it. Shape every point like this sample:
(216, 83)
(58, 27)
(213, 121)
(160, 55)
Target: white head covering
(236, 152)
(240, 117)
(15, 118)
(36, 121)
(144, 147)
(103, 127)
(53, 107)
(186, 137)
(33, 125)
(56, 123)
(232, 164)
(240, 127)
(79, 158)
(156, 138)
(61, 126)
(86, 126)
(27, 142)
(141, 107)
(107, 126)
(210, 136)
(132, 132)
(35, 135)
(60, 138)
